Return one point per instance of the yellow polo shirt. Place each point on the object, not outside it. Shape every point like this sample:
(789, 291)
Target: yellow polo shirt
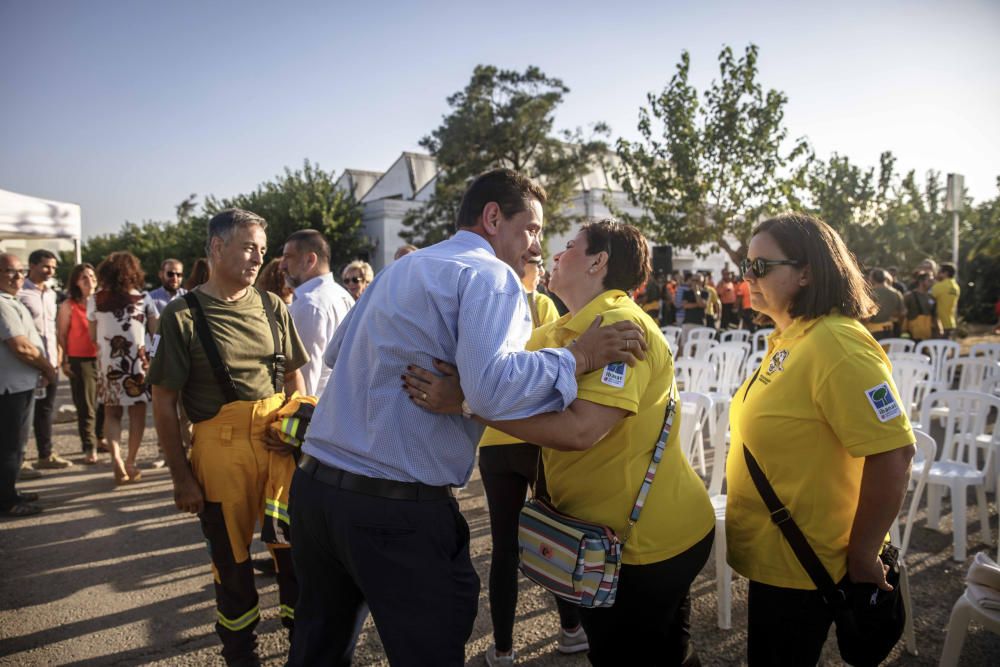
(822, 400)
(601, 484)
(946, 293)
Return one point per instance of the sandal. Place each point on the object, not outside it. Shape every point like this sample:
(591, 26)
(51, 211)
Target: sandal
(134, 474)
(22, 509)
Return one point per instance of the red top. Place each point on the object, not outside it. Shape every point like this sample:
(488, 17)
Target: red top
(78, 341)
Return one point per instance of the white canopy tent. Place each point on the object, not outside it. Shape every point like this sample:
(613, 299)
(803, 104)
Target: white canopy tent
(35, 220)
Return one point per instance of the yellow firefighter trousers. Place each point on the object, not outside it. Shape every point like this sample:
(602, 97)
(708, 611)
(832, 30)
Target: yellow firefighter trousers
(243, 482)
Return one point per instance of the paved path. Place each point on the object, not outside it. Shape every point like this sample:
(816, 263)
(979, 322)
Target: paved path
(115, 576)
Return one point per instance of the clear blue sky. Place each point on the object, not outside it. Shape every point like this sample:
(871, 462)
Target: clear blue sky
(126, 107)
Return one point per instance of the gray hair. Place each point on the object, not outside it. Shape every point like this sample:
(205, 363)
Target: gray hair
(224, 222)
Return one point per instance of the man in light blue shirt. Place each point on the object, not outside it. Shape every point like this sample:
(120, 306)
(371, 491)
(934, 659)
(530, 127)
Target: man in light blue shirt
(320, 304)
(171, 277)
(374, 523)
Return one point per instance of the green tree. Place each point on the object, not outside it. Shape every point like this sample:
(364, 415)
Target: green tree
(704, 173)
(504, 118)
(300, 199)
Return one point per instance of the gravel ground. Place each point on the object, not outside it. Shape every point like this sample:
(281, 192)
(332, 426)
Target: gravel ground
(115, 576)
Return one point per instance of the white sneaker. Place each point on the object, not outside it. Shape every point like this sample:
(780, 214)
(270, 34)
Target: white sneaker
(494, 660)
(573, 642)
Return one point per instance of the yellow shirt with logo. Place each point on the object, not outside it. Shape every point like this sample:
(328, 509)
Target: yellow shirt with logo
(601, 484)
(822, 400)
(946, 293)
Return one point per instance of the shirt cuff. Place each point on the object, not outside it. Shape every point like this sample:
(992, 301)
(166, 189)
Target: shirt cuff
(566, 381)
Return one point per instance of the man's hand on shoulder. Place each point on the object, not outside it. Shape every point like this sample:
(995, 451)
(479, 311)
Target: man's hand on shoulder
(599, 346)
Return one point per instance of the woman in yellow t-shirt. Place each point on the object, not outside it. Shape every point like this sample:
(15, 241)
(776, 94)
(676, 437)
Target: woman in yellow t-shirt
(822, 418)
(508, 466)
(596, 453)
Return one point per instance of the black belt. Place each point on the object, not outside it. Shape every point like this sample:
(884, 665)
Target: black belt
(371, 486)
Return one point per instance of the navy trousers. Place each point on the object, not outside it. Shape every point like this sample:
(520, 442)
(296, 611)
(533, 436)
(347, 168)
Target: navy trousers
(405, 561)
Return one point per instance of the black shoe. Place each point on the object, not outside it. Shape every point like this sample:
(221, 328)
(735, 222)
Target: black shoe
(27, 496)
(265, 566)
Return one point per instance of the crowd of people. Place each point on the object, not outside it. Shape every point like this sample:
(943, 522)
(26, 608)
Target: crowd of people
(351, 410)
(924, 307)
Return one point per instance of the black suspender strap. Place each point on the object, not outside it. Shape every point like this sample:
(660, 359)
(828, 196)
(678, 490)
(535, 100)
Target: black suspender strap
(219, 368)
(796, 540)
(278, 370)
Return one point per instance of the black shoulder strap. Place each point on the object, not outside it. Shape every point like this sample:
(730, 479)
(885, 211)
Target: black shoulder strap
(796, 540)
(278, 370)
(219, 368)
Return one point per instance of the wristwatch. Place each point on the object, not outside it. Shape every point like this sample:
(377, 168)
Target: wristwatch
(466, 410)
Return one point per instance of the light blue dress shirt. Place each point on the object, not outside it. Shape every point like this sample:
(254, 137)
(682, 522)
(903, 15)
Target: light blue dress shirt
(453, 301)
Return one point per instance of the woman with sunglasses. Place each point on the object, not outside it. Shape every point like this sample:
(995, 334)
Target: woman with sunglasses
(597, 452)
(822, 418)
(357, 276)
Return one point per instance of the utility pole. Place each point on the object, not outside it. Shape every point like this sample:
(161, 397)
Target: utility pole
(953, 203)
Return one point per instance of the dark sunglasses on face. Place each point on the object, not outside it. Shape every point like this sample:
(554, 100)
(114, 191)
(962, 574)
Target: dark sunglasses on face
(174, 274)
(759, 266)
(354, 280)
(13, 273)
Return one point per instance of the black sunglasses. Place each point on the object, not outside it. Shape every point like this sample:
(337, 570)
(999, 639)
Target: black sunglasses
(174, 274)
(355, 280)
(760, 266)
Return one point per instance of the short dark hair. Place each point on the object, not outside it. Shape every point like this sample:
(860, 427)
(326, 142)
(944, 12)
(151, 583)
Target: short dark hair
(949, 269)
(224, 222)
(38, 256)
(311, 240)
(629, 265)
(879, 276)
(836, 280)
(74, 275)
(509, 189)
(170, 260)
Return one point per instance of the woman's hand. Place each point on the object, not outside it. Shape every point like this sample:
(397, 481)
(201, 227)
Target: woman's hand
(440, 394)
(868, 571)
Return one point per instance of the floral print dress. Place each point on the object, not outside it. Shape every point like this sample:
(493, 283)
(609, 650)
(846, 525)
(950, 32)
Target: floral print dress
(121, 350)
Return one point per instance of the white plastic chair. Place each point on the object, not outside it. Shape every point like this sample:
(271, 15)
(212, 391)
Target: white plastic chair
(673, 336)
(971, 372)
(723, 573)
(939, 351)
(735, 336)
(696, 426)
(911, 377)
(694, 374)
(897, 345)
(964, 612)
(728, 359)
(988, 350)
(700, 333)
(759, 339)
(908, 356)
(958, 464)
(992, 386)
(925, 451)
(698, 348)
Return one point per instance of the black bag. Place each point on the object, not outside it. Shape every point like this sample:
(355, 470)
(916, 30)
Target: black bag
(869, 620)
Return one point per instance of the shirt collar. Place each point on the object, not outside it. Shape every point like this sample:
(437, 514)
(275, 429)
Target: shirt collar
(799, 327)
(28, 284)
(7, 295)
(312, 284)
(602, 302)
(473, 240)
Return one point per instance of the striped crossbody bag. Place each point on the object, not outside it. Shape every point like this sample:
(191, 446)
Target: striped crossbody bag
(577, 560)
